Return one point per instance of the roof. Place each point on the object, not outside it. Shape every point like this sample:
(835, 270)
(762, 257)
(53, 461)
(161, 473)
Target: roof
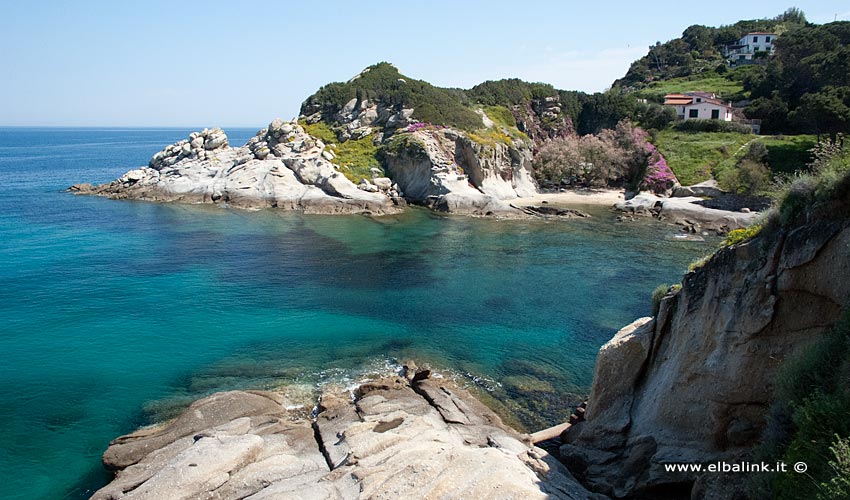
(688, 99)
(760, 33)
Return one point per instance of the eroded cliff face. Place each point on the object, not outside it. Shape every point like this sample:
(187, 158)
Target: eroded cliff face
(449, 171)
(695, 383)
(281, 167)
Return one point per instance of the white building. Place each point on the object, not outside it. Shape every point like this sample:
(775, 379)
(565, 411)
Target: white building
(748, 46)
(699, 106)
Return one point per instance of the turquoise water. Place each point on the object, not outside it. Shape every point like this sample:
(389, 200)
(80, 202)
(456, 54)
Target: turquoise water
(116, 313)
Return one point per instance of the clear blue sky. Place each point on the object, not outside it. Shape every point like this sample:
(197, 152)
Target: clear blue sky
(158, 63)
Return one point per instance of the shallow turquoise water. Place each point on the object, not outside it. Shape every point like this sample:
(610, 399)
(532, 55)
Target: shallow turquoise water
(115, 313)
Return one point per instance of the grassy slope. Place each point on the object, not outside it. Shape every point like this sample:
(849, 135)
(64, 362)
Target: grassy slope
(355, 158)
(694, 157)
(728, 85)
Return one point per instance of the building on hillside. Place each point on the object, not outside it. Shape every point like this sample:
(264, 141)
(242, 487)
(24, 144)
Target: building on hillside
(699, 106)
(746, 49)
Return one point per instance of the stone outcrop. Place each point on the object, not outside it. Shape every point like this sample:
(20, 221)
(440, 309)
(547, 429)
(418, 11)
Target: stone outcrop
(281, 167)
(684, 210)
(694, 384)
(448, 171)
(394, 439)
(543, 119)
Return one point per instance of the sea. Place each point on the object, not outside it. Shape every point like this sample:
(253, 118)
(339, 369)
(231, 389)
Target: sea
(118, 314)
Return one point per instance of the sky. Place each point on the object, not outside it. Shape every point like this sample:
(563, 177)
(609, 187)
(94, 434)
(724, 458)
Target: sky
(241, 64)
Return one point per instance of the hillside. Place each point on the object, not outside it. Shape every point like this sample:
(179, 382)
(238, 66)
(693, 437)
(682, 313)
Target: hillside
(699, 51)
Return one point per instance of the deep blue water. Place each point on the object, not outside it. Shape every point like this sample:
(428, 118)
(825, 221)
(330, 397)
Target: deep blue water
(116, 313)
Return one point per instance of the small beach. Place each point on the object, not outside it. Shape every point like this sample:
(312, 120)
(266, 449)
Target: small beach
(606, 197)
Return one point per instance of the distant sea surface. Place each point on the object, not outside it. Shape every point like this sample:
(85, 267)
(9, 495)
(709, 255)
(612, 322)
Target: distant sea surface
(116, 314)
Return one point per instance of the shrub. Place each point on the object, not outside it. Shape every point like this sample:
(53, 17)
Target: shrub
(658, 294)
(501, 115)
(838, 486)
(827, 180)
(356, 158)
(712, 126)
(813, 387)
(736, 236)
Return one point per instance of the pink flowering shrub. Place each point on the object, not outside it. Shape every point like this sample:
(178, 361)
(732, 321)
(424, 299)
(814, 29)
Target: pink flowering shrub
(659, 178)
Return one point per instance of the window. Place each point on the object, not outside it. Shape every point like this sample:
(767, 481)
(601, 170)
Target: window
(742, 57)
(699, 99)
(767, 39)
(694, 113)
(715, 114)
(755, 39)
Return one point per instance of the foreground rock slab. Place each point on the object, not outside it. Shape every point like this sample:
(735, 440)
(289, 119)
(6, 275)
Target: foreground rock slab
(392, 439)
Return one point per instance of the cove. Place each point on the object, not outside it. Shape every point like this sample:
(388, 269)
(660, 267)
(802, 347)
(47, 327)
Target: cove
(117, 313)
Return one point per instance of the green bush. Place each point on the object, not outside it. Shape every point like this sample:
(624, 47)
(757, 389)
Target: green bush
(838, 486)
(738, 235)
(658, 294)
(383, 83)
(501, 115)
(712, 126)
(814, 388)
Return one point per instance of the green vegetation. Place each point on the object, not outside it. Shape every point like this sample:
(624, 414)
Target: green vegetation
(728, 85)
(501, 116)
(490, 137)
(805, 86)
(321, 130)
(825, 186)
(699, 50)
(712, 126)
(736, 236)
(788, 154)
(382, 83)
(658, 294)
(400, 144)
(740, 162)
(693, 156)
(809, 421)
(356, 158)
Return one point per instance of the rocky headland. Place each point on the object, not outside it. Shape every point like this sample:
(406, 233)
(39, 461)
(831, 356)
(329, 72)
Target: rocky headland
(281, 167)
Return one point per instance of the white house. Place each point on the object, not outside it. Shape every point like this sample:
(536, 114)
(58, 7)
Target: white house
(699, 106)
(749, 45)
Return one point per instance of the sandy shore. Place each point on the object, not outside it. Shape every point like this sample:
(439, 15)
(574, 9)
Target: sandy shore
(574, 197)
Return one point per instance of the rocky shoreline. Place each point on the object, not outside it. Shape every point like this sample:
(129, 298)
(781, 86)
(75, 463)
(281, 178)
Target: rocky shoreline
(284, 167)
(404, 436)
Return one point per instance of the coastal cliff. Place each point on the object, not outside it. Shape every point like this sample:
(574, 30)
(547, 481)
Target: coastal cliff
(695, 383)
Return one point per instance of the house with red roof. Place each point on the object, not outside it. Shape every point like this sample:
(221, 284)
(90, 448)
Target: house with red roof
(699, 106)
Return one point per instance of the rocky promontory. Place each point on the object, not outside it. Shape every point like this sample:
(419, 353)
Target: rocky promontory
(282, 166)
(392, 438)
